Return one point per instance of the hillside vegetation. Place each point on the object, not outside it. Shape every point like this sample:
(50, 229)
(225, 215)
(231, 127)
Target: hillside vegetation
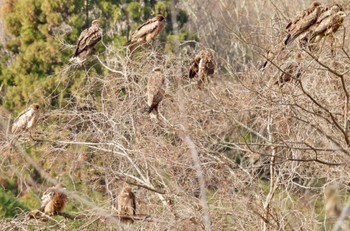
(250, 151)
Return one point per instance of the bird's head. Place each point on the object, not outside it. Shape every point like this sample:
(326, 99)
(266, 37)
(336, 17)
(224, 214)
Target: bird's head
(207, 54)
(96, 23)
(341, 14)
(315, 4)
(61, 186)
(334, 9)
(35, 106)
(340, 7)
(160, 17)
(126, 189)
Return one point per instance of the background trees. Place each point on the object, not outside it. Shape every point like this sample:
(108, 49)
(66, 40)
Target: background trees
(273, 157)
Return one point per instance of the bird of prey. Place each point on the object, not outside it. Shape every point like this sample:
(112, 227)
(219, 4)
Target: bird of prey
(303, 22)
(329, 11)
(126, 204)
(26, 120)
(202, 65)
(156, 88)
(87, 41)
(291, 71)
(53, 200)
(146, 32)
(328, 26)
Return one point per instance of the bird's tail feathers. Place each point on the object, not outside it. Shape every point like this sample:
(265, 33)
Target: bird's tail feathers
(128, 43)
(131, 45)
(76, 60)
(73, 59)
(153, 107)
(288, 39)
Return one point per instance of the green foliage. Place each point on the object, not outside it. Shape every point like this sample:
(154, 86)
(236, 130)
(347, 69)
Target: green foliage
(30, 200)
(183, 35)
(162, 8)
(181, 18)
(9, 205)
(246, 136)
(135, 10)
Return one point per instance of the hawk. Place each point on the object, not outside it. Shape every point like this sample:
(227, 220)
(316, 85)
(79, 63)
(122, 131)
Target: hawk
(327, 26)
(26, 120)
(329, 12)
(156, 88)
(303, 22)
(146, 32)
(87, 41)
(53, 200)
(202, 65)
(126, 204)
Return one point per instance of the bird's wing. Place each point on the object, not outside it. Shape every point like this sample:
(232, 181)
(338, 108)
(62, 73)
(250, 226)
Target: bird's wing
(154, 85)
(22, 119)
(133, 202)
(88, 38)
(337, 22)
(291, 25)
(309, 18)
(47, 197)
(322, 27)
(201, 68)
(305, 22)
(210, 67)
(294, 24)
(145, 29)
(83, 34)
(323, 15)
(194, 66)
(328, 12)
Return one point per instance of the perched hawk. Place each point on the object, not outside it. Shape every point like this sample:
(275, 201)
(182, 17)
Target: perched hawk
(329, 11)
(87, 40)
(146, 32)
(327, 26)
(291, 71)
(202, 65)
(53, 200)
(156, 87)
(26, 120)
(303, 22)
(126, 204)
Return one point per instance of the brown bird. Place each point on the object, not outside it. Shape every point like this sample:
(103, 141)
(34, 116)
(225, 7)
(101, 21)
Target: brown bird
(126, 204)
(329, 11)
(303, 22)
(156, 88)
(53, 200)
(87, 41)
(202, 65)
(291, 71)
(327, 27)
(26, 120)
(146, 32)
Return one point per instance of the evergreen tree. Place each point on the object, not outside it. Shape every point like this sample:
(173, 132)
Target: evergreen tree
(41, 31)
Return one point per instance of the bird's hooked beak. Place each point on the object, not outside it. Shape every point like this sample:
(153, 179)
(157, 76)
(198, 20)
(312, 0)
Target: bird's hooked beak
(343, 14)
